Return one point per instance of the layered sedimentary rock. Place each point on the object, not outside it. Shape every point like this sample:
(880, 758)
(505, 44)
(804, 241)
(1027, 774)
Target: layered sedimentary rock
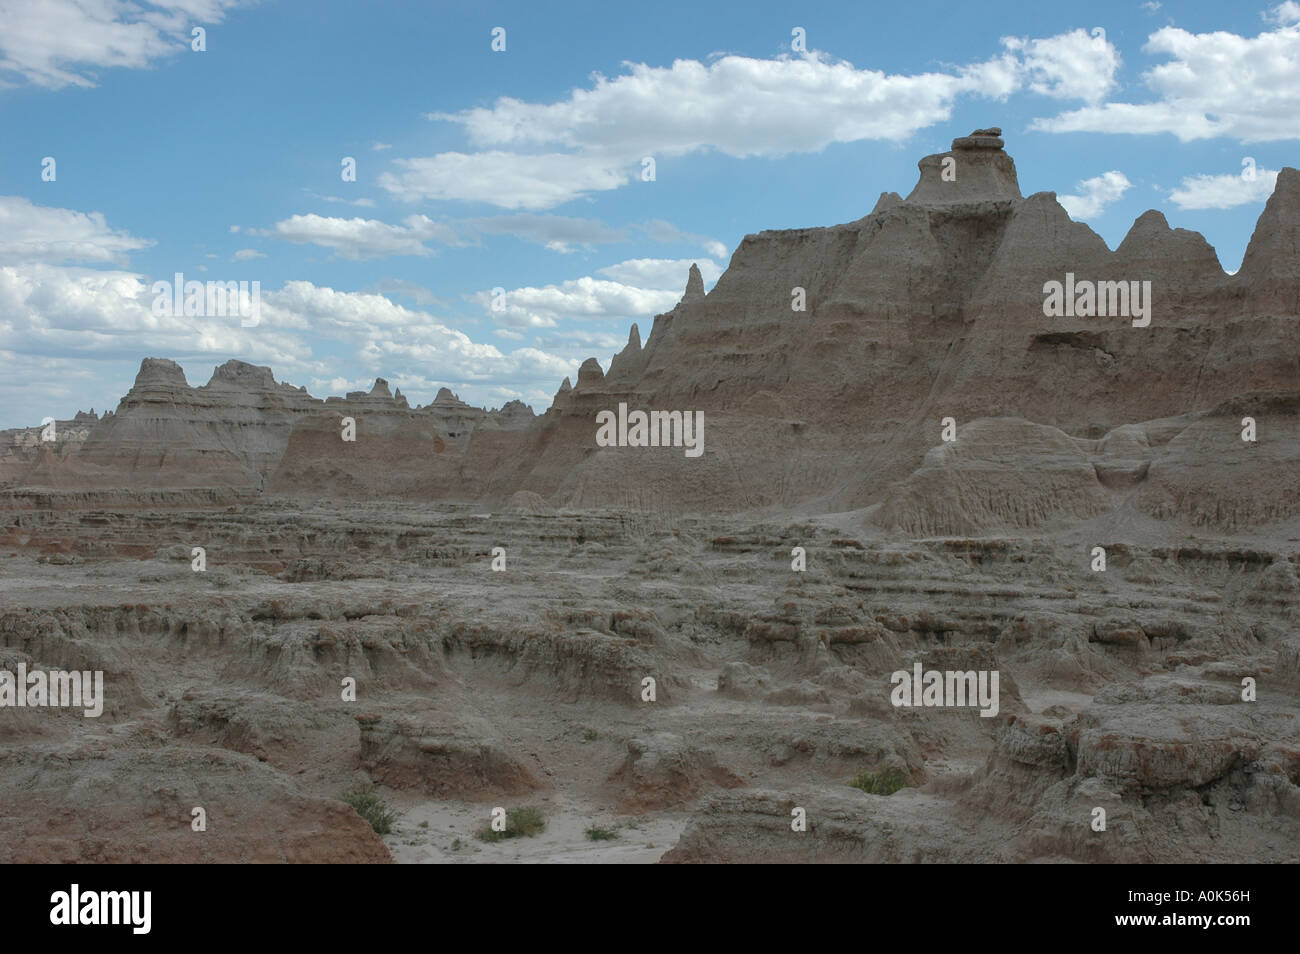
(824, 361)
(168, 434)
(472, 608)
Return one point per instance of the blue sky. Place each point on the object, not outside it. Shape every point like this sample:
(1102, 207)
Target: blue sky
(521, 169)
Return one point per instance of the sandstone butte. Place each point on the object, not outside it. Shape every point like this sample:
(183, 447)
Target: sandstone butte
(927, 308)
(1161, 692)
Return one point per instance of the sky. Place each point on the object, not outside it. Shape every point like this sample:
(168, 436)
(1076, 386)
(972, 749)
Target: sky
(503, 223)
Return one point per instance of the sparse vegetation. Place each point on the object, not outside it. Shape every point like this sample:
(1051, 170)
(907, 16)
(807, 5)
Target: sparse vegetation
(520, 823)
(591, 735)
(885, 782)
(370, 806)
(601, 834)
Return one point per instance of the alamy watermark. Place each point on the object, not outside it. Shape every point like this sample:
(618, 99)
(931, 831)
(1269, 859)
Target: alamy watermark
(651, 429)
(946, 688)
(56, 688)
(74, 907)
(1088, 299)
(208, 300)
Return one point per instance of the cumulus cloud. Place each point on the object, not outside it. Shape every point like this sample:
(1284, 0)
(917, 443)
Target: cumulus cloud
(38, 233)
(505, 179)
(101, 314)
(365, 238)
(1224, 191)
(1074, 65)
(51, 386)
(739, 106)
(1284, 13)
(247, 254)
(100, 318)
(586, 297)
(1214, 84)
(1095, 194)
(390, 338)
(58, 43)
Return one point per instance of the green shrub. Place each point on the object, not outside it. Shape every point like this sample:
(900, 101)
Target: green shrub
(372, 808)
(885, 782)
(601, 834)
(520, 823)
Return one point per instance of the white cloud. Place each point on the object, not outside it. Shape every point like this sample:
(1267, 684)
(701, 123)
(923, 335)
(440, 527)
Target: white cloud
(1214, 84)
(1223, 191)
(1284, 13)
(1095, 194)
(586, 297)
(103, 317)
(38, 233)
(70, 311)
(736, 105)
(381, 146)
(57, 43)
(661, 273)
(1074, 65)
(85, 315)
(505, 179)
(393, 340)
(365, 238)
(247, 254)
(361, 203)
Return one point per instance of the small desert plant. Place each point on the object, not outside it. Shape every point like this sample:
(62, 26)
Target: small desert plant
(591, 735)
(885, 782)
(372, 808)
(520, 823)
(601, 834)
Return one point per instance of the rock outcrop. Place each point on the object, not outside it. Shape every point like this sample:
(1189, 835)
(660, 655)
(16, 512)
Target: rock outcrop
(824, 361)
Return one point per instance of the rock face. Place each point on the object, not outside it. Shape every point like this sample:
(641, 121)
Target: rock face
(168, 434)
(976, 170)
(907, 467)
(824, 362)
(1270, 272)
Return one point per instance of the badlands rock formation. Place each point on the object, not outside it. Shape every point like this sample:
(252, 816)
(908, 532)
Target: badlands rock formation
(920, 468)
